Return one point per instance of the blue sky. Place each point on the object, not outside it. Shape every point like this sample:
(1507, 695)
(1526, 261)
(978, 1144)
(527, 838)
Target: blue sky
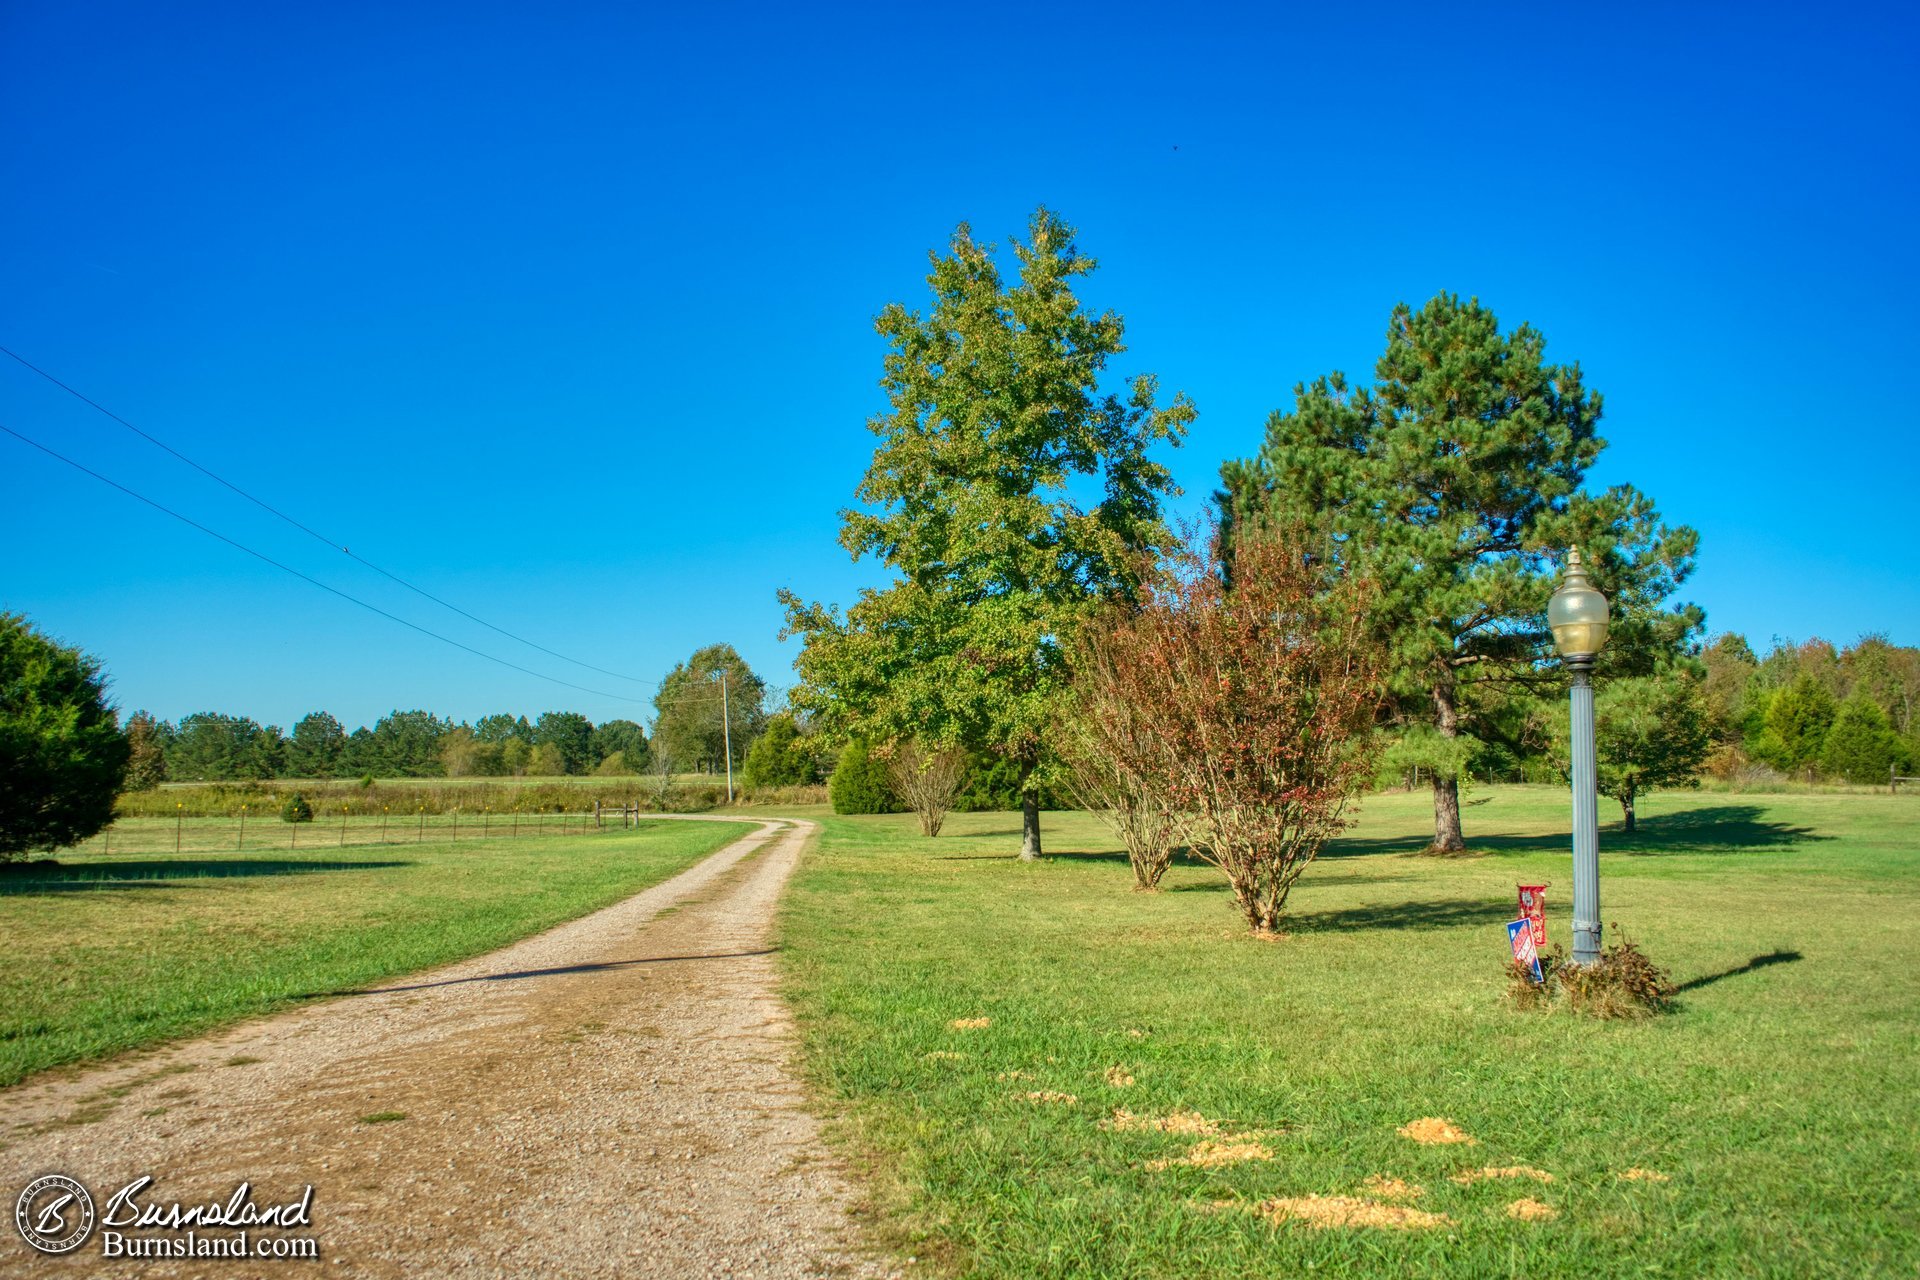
(565, 312)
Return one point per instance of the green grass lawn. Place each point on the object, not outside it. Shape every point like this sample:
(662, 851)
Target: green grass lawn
(1781, 1101)
(112, 951)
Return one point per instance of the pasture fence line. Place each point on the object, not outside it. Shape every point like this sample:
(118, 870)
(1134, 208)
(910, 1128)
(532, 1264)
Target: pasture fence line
(242, 831)
(1895, 778)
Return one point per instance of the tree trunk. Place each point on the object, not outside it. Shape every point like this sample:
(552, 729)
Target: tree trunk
(1447, 837)
(1626, 807)
(1029, 827)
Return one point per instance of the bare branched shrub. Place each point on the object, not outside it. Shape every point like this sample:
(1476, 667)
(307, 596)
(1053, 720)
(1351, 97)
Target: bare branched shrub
(1112, 769)
(926, 777)
(1257, 702)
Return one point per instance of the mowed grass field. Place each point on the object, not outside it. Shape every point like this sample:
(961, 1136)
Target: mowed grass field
(1780, 1104)
(113, 951)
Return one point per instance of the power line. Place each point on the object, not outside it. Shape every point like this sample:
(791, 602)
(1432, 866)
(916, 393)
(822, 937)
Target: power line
(314, 534)
(238, 546)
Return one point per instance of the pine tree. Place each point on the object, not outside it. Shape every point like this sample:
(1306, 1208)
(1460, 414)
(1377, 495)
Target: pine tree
(1861, 746)
(1456, 480)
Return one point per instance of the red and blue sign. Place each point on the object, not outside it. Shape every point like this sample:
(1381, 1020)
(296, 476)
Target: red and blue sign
(1520, 937)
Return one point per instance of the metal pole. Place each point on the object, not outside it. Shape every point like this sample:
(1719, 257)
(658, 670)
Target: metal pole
(726, 731)
(1586, 820)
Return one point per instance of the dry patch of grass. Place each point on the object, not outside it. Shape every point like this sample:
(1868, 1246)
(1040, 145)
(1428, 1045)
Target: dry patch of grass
(1527, 1209)
(1118, 1077)
(1384, 1187)
(970, 1024)
(1467, 1177)
(1049, 1097)
(1637, 1174)
(1183, 1122)
(1324, 1212)
(1436, 1131)
(1210, 1154)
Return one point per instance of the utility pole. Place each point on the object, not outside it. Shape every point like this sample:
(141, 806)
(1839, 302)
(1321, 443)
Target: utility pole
(726, 730)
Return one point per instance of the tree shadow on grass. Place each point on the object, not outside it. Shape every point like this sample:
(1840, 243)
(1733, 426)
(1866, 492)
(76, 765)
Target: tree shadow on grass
(521, 975)
(1724, 828)
(1437, 913)
(82, 877)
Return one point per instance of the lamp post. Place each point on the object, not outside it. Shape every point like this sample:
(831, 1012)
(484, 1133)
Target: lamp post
(1577, 615)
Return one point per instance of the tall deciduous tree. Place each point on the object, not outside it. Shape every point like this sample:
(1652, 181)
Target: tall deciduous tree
(1456, 480)
(996, 426)
(688, 710)
(62, 755)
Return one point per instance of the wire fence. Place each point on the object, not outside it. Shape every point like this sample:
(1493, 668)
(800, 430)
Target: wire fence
(266, 832)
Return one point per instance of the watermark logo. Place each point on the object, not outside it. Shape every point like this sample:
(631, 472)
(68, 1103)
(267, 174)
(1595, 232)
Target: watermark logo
(54, 1214)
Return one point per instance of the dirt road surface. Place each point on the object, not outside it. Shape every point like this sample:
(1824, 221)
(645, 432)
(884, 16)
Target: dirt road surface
(612, 1097)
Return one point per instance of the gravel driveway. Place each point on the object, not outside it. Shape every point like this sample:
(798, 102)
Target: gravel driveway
(611, 1097)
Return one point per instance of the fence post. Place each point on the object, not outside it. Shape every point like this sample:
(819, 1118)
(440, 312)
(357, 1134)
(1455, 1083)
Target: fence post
(242, 842)
(1893, 782)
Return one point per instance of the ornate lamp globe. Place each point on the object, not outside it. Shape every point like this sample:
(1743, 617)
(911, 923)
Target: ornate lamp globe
(1577, 614)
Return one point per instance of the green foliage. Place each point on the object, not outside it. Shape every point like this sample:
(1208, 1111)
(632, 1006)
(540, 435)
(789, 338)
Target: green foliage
(146, 752)
(689, 729)
(624, 738)
(211, 747)
(992, 784)
(782, 756)
(996, 428)
(317, 747)
(1648, 731)
(1796, 722)
(859, 782)
(501, 729)
(570, 734)
(296, 809)
(1861, 746)
(62, 755)
(1456, 480)
(1729, 667)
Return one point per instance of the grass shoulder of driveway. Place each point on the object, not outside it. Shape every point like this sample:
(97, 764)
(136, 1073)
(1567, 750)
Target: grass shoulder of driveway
(106, 953)
(1047, 1074)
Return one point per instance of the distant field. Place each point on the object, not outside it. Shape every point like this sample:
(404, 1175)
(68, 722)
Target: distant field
(108, 952)
(1781, 1103)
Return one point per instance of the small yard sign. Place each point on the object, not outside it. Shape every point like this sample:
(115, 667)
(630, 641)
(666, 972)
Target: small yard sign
(1520, 937)
(1533, 906)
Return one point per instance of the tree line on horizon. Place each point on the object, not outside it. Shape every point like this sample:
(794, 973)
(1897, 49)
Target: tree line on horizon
(687, 736)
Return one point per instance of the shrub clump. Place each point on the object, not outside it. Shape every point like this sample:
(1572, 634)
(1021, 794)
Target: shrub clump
(859, 783)
(296, 809)
(1623, 983)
